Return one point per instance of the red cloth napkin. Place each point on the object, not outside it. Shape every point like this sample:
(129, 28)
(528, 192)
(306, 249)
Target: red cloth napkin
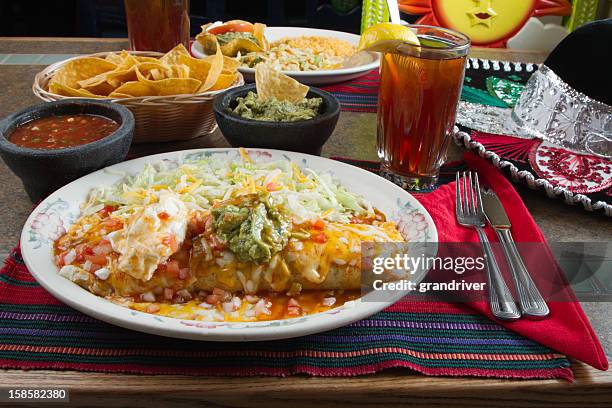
(567, 330)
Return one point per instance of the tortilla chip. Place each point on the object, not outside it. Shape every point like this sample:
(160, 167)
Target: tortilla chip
(117, 78)
(230, 64)
(216, 66)
(198, 68)
(272, 84)
(93, 81)
(173, 56)
(258, 32)
(162, 71)
(239, 45)
(114, 58)
(134, 88)
(102, 89)
(224, 81)
(61, 89)
(169, 86)
(123, 72)
(146, 59)
(128, 62)
(119, 95)
(182, 71)
(118, 75)
(176, 86)
(79, 69)
(208, 42)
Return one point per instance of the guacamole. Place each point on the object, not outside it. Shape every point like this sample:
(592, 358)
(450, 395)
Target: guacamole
(229, 36)
(251, 227)
(251, 107)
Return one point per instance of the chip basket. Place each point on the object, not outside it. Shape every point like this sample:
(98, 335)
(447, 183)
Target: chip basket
(158, 118)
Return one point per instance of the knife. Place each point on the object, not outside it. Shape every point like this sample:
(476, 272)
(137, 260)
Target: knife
(530, 299)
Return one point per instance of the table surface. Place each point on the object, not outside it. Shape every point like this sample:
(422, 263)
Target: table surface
(354, 137)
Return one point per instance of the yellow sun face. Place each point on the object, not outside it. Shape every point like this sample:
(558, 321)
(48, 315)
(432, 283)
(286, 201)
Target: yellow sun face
(484, 21)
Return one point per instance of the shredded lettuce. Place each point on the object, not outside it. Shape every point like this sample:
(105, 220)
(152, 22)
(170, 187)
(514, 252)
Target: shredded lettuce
(201, 181)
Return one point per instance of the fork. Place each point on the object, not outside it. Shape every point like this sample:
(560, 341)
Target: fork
(470, 214)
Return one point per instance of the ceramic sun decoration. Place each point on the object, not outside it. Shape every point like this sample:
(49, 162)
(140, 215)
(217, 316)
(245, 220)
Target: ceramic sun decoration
(489, 23)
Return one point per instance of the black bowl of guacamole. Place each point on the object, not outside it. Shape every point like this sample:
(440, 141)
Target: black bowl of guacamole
(304, 128)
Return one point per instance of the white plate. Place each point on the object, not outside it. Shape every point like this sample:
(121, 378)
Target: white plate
(58, 211)
(324, 77)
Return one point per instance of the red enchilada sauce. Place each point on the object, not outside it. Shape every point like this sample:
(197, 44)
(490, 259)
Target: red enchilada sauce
(60, 132)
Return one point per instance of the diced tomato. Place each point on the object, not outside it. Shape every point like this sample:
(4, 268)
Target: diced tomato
(273, 186)
(96, 259)
(293, 311)
(218, 292)
(87, 250)
(232, 27)
(193, 228)
(182, 256)
(183, 273)
(212, 299)
(216, 243)
(170, 241)
(107, 210)
(104, 247)
(163, 215)
(172, 267)
(187, 244)
(112, 224)
(208, 224)
(153, 308)
(321, 238)
(94, 267)
(168, 293)
(318, 224)
(222, 294)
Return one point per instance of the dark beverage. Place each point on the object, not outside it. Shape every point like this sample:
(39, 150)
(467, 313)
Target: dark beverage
(157, 25)
(417, 102)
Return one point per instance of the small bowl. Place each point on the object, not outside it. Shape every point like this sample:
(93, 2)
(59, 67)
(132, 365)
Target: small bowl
(305, 136)
(44, 171)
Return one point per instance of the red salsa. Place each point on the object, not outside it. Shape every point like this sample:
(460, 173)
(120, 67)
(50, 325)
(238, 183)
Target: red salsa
(59, 132)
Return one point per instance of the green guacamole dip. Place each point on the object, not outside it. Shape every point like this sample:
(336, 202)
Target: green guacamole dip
(251, 107)
(252, 228)
(229, 36)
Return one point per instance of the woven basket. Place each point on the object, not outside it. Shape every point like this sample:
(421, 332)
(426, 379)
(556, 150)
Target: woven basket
(158, 118)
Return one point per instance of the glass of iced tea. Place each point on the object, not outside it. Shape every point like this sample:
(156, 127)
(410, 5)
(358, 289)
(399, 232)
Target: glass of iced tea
(157, 25)
(419, 91)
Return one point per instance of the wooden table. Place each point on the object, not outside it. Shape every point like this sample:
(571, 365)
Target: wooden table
(354, 137)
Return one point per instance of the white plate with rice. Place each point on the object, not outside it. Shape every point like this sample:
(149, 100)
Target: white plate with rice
(352, 67)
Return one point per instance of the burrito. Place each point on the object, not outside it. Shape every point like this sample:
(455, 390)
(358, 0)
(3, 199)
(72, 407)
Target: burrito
(222, 234)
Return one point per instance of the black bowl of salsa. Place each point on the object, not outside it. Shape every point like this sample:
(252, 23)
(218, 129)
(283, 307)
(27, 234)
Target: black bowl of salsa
(50, 144)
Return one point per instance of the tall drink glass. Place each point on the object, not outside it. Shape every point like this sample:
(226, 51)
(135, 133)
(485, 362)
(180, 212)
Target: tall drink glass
(417, 103)
(157, 25)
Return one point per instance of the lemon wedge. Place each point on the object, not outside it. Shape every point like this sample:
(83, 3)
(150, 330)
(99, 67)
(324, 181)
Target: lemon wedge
(386, 37)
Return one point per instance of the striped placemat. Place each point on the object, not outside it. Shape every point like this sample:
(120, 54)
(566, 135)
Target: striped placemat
(359, 94)
(39, 332)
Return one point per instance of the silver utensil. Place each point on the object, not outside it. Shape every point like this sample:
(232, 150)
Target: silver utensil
(470, 214)
(531, 301)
